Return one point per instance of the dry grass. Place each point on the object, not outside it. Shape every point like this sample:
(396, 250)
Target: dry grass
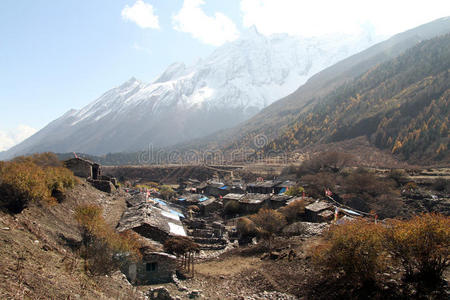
(36, 262)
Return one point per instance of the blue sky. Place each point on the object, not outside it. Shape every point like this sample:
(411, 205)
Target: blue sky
(58, 55)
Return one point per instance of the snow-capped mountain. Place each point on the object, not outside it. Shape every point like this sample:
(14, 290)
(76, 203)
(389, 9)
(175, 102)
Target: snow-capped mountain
(234, 83)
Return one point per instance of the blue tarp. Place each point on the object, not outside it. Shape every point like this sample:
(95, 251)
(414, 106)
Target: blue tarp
(181, 199)
(176, 213)
(282, 191)
(203, 199)
(160, 201)
(224, 187)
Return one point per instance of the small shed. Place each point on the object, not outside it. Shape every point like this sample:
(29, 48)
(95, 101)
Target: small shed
(284, 186)
(232, 197)
(155, 267)
(277, 201)
(263, 187)
(315, 211)
(252, 203)
(210, 206)
(80, 167)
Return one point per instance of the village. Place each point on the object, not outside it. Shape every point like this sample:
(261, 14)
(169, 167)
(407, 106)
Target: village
(207, 212)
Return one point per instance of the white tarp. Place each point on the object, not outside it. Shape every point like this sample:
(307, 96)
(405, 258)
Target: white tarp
(170, 215)
(176, 229)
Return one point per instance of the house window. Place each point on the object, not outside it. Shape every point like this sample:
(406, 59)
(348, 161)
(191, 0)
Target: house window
(151, 267)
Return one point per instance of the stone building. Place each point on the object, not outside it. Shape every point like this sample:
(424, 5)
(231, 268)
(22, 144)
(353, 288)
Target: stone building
(319, 211)
(252, 203)
(263, 187)
(81, 167)
(151, 222)
(155, 267)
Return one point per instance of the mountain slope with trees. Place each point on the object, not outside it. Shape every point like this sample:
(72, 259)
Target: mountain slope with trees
(401, 105)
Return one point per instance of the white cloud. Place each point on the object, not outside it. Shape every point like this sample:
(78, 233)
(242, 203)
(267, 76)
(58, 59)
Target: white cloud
(215, 30)
(11, 138)
(138, 47)
(311, 18)
(142, 14)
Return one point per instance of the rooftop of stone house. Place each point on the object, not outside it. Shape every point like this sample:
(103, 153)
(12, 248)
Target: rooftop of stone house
(318, 206)
(280, 198)
(211, 200)
(254, 198)
(147, 213)
(148, 254)
(264, 184)
(287, 183)
(232, 196)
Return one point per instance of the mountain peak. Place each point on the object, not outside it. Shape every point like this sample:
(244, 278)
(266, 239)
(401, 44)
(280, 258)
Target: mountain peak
(130, 82)
(251, 32)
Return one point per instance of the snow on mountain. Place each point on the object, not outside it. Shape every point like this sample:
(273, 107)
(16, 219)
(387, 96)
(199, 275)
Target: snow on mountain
(234, 83)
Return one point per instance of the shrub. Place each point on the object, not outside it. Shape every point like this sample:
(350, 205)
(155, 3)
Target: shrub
(102, 247)
(46, 159)
(23, 182)
(399, 176)
(317, 183)
(442, 185)
(331, 161)
(167, 192)
(293, 210)
(355, 250)
(295, 191)
(246, 228)
(268, 222)
(421, 245)
(231, 208)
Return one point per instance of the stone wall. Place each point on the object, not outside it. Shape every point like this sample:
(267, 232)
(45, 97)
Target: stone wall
(103, 185)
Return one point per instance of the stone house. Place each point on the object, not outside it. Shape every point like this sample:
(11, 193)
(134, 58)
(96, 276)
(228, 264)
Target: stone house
(155, 267)
(283, 187)
(252, 203)
(232, 197)
(263, 187)
(277, 201)
(81, 167)
(151, 222)
(210, 206)
(318, 211)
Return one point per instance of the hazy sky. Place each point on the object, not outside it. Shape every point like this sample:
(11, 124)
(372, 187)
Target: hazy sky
(57, 55)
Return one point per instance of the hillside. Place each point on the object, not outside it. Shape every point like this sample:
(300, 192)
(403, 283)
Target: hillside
(401, 105)
(38, 261)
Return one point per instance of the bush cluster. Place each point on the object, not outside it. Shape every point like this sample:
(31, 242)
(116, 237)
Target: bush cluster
(293, 211)
(35, 179)
(103, 248)
(359, 252)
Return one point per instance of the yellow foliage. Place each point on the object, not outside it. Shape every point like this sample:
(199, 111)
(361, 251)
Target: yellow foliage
(354, 248)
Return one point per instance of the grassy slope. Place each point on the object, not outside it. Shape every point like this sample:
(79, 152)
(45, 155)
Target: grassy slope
(36, 262)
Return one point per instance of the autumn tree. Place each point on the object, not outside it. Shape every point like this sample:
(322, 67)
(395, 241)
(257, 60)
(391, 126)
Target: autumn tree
(269, 222)
(422, 246)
